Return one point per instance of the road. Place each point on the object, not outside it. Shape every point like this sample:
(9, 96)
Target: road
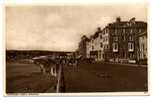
(26, 78)
(105, 78)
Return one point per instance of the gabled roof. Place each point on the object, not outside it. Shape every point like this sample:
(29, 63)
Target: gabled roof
(127, 24)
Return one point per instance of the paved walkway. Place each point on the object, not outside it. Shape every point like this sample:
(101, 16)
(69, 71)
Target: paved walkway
(135, 65)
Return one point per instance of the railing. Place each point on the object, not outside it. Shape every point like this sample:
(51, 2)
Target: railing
(60, 87)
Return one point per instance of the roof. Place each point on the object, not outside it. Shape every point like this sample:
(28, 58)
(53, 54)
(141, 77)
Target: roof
(97, 33)
(127, 24)
(121, 24)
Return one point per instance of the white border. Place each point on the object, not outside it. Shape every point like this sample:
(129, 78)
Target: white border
(81, 94)
(73, 2)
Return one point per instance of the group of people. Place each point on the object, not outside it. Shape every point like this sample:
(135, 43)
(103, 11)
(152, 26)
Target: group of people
(50, 65)
(54, 67)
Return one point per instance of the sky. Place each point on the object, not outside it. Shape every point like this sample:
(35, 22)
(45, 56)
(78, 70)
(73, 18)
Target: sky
(59, 28)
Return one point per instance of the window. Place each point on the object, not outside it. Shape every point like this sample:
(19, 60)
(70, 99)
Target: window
(115, 47)
(92, 47)
(100, 54)
(130, 38)
(106, 39)
(131, 47)
(92, 41)
(116, 31)
(143, 47)
(131, 55)
(115, 38)
(123, 38)
(106, 30)
(119, 30)
(123, 30)
(100, 36)
(143, 37)
(135, 30)
(107, 46)
(131, 30)
(140, 30)
(101, 44)
(127, 30)
(111, 30)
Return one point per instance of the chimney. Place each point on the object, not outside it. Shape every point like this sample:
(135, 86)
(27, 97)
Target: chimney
(132, 19)
(98, 29)
(118, 19)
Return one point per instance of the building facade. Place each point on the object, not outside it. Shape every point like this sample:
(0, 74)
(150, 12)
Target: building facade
(82, 50)
(117, 42)
(123, 39)
(98, 45)
(142, 52)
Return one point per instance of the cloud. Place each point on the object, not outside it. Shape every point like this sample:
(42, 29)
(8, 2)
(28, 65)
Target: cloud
(61, 27)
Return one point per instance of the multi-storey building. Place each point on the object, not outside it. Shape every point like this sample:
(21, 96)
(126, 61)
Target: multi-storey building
(82, 50)
(142, 51)
(95, 46)
(117, 42)
(123, 39)
(105, 44)
(98, 45)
